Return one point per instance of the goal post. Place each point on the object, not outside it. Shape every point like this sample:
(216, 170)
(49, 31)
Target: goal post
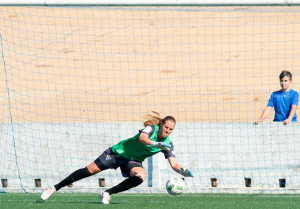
(77, 79)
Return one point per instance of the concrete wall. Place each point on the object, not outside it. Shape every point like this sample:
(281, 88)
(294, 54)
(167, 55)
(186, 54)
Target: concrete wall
(226, 151)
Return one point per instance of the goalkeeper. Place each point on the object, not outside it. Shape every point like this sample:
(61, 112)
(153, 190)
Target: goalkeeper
(129, 155)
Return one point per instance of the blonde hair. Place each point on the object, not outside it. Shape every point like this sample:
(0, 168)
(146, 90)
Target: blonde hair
(154, 118)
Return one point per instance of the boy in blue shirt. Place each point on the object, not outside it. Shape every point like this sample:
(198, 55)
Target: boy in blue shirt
(284, 101)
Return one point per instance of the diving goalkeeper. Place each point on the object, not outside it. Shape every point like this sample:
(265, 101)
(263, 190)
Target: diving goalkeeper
(129, 155)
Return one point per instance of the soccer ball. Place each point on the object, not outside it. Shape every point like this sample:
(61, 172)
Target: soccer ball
(175, 186)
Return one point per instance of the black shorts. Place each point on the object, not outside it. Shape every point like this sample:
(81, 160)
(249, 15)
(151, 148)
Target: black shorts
(110, 160)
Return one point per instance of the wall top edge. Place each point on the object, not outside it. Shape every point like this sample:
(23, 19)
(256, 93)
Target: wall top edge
(149, 3)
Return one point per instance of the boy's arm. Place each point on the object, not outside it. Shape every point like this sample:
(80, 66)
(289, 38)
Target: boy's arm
(264, 114)
(291, 115)
(294, 107)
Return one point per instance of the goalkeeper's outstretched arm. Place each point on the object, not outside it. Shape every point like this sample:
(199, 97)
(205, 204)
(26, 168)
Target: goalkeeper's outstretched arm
(177, 167)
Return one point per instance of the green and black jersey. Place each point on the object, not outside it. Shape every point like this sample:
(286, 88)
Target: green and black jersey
(134, 150)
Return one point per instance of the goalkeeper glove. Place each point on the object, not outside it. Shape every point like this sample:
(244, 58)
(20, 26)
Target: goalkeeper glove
(161, 145)
(186, 172)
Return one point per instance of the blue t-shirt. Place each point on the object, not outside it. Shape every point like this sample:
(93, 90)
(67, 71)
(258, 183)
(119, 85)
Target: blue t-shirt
(282, 103)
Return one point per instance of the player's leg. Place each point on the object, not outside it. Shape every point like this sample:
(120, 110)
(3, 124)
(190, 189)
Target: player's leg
(75, 176)
(93, 168)
(137, 176)
(136, 173)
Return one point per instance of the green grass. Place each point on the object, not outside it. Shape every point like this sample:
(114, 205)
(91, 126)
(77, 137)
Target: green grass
(155, 201)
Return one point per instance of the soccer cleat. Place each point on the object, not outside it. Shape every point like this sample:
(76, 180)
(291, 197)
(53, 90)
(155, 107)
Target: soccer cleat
(48, 192)
(105, 197)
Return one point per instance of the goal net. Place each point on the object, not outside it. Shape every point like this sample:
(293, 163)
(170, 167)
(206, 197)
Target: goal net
(77, 80)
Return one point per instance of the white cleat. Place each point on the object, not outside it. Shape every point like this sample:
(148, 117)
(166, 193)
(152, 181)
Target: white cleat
(105, 197)
(48, 192)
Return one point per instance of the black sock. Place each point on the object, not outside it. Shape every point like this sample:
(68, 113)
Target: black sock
(125, 185)
(75, 176)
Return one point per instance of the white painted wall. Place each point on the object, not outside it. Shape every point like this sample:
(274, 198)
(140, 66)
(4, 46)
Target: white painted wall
(226, 151)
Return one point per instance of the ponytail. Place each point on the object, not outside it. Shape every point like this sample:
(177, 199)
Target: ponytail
(154, 118)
